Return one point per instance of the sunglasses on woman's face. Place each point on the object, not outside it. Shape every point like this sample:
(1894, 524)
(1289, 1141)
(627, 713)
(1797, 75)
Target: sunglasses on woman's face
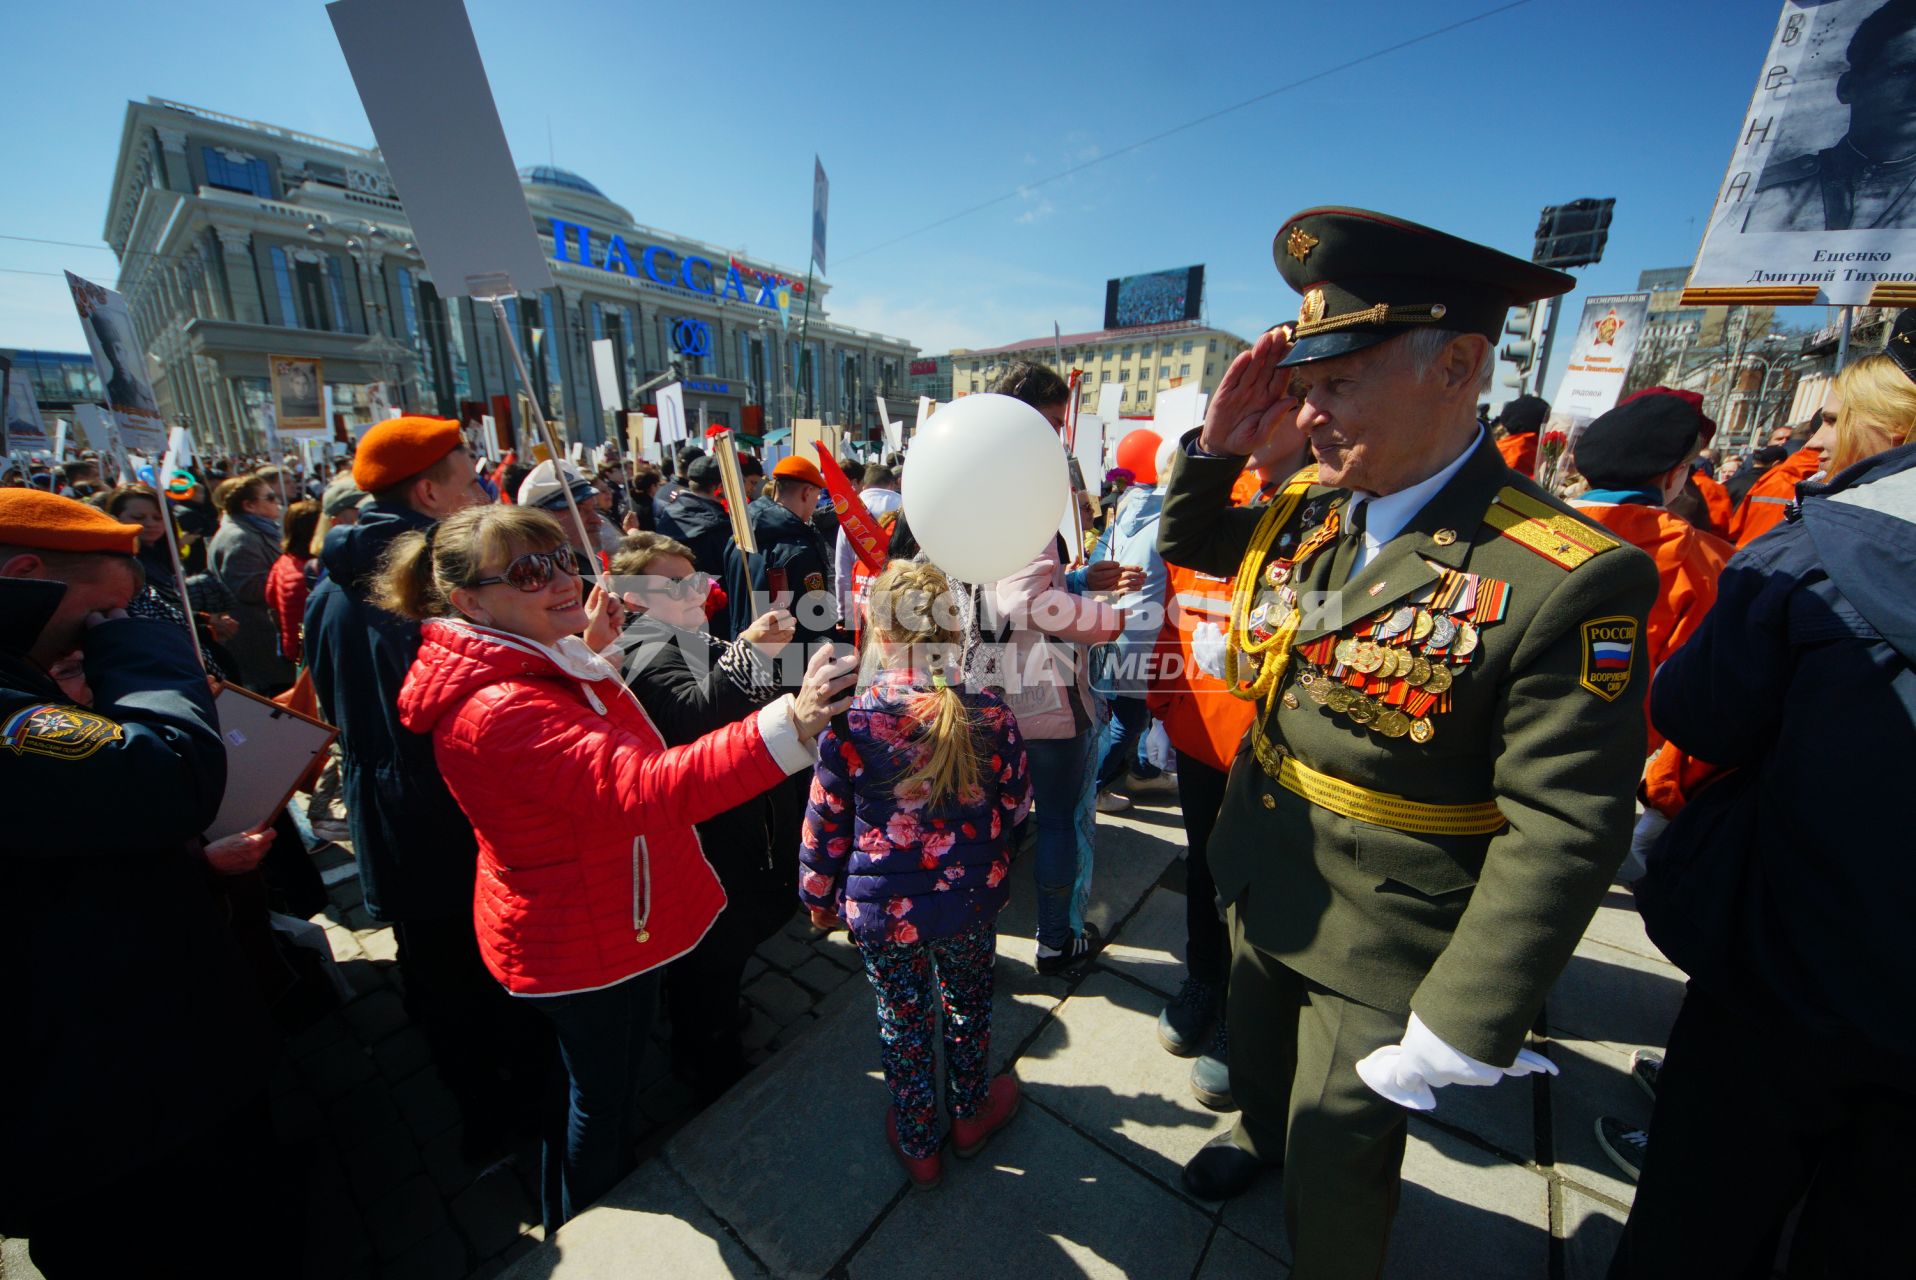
(533, 570)
(693, 585)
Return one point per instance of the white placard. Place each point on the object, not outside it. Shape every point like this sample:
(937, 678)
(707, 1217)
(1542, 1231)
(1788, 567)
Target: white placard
(424, 87)
(268, 750)
(671, 402)
(1111, 401)
(606, 366)
(490, 430)
(25, 429)
(120, 364)
(81, 434)
(1600, 356)
(894, 431)
(1177, 411)
(1090, 448)
(926, 407)
(1817, 195)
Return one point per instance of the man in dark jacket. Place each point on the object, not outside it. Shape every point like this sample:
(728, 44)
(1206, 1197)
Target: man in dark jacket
(133, 1084)
(416, 850)
(1785, 893)
(792, 548)
(694, 516)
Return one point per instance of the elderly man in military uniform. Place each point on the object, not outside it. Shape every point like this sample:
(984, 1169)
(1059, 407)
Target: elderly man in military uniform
(1868, 179)
(1448, 669)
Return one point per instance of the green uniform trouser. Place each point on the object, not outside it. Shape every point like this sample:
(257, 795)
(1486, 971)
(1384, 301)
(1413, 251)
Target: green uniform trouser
(1294, 1049)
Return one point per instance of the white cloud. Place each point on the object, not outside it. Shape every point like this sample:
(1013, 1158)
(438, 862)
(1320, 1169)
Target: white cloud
(1042, 209)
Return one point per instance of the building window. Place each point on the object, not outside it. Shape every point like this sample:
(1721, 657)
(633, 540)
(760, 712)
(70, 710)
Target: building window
(1123, 395)
(248, 176)
(1164, 371)
(1214, 344)
(1188, 346)
(336, 295)
(408, 307)
(283, 286)
(1184, 370)
(1208, 366)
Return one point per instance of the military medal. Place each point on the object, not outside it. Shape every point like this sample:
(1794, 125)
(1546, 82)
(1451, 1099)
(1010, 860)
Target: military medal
(1392, 723)
(1466, 640)
(1367, 657)
(1421, 731)
(1440, 679)
(1278, 573)
(1419, 674)
(1363, 710)
(1343, 653)
(1443, 630)
(1341, 697)
(1420, 630)
(1398, 623)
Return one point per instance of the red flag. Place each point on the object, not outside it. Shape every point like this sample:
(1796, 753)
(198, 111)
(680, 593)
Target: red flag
(498, 476)
(868, 541)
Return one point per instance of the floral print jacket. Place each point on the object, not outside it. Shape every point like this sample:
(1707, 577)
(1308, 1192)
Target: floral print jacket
(892, 866)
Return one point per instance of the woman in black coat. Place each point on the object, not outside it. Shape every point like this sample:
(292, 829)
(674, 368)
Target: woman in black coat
(1785, 889)
(691, 684)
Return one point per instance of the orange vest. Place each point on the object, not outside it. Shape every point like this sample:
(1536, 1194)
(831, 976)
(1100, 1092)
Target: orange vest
(1717, 499)
(1203, 718)
(1764, 505)
(1689, 561)
(1520, 452)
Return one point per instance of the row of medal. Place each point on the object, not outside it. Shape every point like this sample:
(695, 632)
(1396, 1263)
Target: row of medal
(1392, 672)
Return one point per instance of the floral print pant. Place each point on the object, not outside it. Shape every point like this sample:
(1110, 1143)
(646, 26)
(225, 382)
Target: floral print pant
(913, 981)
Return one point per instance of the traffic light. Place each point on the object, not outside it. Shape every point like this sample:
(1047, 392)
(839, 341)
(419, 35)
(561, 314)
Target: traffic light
(1521, 350)
(1574, 234)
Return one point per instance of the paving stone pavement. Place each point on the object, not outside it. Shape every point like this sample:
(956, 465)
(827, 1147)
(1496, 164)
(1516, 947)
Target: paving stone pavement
(788, 1174)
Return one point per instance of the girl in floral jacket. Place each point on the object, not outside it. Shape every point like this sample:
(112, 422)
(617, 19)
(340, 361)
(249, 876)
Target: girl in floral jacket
(908, 838)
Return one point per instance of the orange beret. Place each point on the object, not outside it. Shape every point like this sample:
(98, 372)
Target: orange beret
(797, 468)
(396, 450)
(48, 522)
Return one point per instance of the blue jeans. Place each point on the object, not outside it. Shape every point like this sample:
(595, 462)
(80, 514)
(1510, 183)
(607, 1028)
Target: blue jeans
(1130, 721)
(1060, 770)
(602, 1036)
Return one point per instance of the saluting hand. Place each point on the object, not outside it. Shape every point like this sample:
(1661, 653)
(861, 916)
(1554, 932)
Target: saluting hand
(1253, 398)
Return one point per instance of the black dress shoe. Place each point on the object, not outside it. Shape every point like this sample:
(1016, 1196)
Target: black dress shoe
(1222, 1170)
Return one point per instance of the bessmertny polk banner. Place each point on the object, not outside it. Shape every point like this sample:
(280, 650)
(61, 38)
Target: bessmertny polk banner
(1818, 205)
(1600, 356)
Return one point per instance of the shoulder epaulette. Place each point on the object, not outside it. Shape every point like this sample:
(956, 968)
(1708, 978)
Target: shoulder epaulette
(1561, 538)
(1305, 477)
(1782, 173)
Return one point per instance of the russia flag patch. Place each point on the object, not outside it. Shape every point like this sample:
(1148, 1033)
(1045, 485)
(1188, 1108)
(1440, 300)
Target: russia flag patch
(1609, 651)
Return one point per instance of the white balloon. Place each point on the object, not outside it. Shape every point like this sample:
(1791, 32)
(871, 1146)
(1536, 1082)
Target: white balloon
(985, 486)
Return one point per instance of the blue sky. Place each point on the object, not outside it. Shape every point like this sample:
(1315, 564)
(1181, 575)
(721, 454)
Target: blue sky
(705, 122)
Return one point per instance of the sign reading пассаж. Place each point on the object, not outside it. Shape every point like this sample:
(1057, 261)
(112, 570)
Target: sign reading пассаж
(572, 242)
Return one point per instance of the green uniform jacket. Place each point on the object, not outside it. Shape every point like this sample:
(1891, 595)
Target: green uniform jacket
(1468, 931)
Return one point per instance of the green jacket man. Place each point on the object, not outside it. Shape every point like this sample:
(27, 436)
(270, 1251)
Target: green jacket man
(1449, 669)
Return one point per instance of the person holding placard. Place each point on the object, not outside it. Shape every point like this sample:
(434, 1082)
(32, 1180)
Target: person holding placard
(576, 917)
(139, 1050)
(415, 849)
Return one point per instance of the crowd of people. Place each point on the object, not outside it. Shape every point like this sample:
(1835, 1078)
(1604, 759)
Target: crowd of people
(1419, 712)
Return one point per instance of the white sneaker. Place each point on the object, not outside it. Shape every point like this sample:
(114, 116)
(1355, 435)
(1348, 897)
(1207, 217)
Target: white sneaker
(1112, 802)
(332, 829)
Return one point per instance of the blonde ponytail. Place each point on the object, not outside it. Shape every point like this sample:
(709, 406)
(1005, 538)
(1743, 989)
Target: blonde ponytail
(404, 585)
(911, 606)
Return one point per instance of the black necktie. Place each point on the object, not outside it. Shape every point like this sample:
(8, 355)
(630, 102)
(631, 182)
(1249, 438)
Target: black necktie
(1350, 544)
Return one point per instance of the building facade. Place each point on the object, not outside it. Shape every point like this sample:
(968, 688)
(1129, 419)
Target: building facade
(239, 240)
(930, 376)
(60, 379)
(1144, 361)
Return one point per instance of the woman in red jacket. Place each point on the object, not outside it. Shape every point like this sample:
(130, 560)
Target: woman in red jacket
(590, 876)
(292, 576)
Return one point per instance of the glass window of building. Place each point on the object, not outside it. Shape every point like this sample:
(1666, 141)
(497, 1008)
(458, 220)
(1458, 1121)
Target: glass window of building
(283, 286)
(1184, 371)
(1214, 344)
(1164, 371)
(554, 335)
(336, 295)
(1188, 346)
(228, 174)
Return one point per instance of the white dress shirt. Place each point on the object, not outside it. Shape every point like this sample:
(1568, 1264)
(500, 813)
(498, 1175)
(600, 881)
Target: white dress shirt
(1385, 517)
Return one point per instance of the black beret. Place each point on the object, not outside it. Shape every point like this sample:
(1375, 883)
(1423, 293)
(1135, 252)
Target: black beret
(1902, 343)
(703, 470)
(1636, 441)
(1524, 414)
(1367, 277)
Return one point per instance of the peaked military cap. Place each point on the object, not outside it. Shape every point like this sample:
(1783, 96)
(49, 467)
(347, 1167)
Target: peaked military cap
(1368, 276)
(1902, 343)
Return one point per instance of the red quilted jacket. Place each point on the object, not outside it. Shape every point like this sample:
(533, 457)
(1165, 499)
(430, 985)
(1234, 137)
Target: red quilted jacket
(589, 869)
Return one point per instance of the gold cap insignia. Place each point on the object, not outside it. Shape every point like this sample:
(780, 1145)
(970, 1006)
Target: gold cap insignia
(1312, 309)
(1299, 243)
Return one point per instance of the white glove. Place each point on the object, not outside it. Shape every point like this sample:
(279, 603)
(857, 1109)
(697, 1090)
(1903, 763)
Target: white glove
(1207, 649)
(1406, 1073)
(1157, 747)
